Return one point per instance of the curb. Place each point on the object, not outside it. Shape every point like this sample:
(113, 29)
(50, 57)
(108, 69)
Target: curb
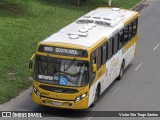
(139, 5)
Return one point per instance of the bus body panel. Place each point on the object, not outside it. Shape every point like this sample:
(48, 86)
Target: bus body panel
(47, 98)
(83, 104)
(113, 67)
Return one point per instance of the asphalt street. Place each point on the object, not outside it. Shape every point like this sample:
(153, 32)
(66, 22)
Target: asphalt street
(139, 90)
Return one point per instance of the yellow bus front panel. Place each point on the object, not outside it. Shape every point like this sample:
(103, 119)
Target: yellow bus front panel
(59, 100)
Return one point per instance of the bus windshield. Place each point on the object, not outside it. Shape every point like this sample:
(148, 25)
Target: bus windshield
(61, 72)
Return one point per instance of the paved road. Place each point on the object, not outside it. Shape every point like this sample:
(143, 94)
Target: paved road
(139, 90)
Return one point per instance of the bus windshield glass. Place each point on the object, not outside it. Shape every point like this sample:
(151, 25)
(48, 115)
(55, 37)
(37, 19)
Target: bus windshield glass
(61, 72)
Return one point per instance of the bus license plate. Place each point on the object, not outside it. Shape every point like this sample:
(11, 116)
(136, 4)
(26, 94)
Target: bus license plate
(57, 103)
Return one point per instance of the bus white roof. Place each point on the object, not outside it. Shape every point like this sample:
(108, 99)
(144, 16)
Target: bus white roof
(85, 32)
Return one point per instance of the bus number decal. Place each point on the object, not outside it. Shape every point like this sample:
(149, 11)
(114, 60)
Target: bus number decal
(50, 49)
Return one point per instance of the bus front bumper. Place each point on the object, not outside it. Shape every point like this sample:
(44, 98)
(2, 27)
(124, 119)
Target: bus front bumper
(82, 104)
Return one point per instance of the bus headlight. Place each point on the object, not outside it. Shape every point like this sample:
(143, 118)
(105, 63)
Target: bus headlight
(37, 92)
(34, 89)
(80, 97)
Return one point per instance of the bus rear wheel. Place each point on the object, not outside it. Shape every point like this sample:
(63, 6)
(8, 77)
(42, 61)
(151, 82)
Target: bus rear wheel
(95, 97)
(121, 71)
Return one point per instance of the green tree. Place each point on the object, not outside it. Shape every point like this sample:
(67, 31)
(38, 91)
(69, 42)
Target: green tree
(109, 2)
(77, 2)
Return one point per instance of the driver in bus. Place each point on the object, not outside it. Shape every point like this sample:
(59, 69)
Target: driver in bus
(82, 73)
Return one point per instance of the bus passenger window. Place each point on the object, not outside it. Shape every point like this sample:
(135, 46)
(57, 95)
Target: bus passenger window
(126, 34)
(113, 46)
(93, 60)
(116, 44)
(104, 53)
(110, 51)
(130, 31)
(100, 56)
(121, 38)
(135, 25)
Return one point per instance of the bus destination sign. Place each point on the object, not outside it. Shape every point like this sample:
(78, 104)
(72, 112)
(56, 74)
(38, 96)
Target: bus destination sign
(62, 51)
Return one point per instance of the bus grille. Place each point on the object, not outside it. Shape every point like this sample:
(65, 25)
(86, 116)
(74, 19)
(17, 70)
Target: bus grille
(58, 89)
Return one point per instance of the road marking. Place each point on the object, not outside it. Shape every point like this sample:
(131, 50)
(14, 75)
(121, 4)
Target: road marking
(138, 66)
(115, 91)
(90, 117)
(156, 46)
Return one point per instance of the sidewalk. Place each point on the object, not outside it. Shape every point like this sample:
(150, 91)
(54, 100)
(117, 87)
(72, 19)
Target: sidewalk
(21, 99)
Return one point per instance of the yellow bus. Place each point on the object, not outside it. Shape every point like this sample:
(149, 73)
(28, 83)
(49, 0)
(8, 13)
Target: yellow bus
(74, 66)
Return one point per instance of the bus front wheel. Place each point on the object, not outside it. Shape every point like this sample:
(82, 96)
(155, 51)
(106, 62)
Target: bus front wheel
(95, 97)
(121, 71)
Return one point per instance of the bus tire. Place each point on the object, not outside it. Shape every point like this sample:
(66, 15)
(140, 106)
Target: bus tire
(96, 96)
(121, 72)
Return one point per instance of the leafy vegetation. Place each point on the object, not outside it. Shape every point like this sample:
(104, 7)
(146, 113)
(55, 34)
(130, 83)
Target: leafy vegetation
(23, 23)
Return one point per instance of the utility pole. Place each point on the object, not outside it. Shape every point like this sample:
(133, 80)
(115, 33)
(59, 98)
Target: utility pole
(110, 3)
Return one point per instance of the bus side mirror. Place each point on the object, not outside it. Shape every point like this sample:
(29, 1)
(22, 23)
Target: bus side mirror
(94, 67)
(31, 63)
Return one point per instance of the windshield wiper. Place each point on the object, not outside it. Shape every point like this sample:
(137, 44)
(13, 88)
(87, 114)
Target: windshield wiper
(70, 64)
